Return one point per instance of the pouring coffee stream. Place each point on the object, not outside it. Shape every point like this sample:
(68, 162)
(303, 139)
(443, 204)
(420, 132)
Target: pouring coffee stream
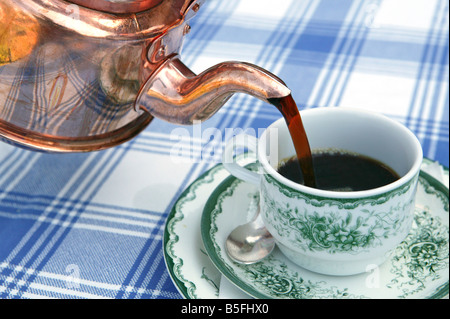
(251, 242)
(289, 110)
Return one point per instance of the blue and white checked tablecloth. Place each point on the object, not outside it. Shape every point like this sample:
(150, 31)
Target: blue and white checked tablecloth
(100, 216)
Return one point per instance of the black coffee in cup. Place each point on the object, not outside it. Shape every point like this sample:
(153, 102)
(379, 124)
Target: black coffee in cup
(341, 171)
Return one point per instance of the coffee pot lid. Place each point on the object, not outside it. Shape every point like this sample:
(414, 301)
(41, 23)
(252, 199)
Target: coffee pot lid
(113, 19)
(118, 6)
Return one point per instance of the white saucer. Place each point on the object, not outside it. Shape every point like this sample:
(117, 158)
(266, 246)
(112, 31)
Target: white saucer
(196, 276)
(190, 268)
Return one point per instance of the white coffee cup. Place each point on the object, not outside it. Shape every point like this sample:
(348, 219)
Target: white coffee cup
(331, 232)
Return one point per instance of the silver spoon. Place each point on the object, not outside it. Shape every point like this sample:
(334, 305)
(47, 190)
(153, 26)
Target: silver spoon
(250, 242)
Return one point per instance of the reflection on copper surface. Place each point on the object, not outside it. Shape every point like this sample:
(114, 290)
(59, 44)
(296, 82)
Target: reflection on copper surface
(18, 136)
(119, 75)
(53, 95)
(118, 6)
(57, 91)
(70, 74)
(75, 79)
(104, 24)
(19, 33)
(176, 94)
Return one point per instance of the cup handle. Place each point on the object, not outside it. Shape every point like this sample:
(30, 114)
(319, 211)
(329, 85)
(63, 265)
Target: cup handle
(241, 141)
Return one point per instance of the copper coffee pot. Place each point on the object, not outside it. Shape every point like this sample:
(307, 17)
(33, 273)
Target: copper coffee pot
(84, 75)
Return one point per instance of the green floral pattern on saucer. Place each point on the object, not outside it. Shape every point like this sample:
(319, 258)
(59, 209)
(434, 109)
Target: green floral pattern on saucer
(417, 269)
(277, 279)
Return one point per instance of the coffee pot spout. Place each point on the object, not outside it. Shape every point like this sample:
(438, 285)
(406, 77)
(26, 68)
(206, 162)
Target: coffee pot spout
(176, 94)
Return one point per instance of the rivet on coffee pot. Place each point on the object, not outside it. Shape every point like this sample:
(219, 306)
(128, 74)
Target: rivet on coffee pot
(196, 7)
(187, 29)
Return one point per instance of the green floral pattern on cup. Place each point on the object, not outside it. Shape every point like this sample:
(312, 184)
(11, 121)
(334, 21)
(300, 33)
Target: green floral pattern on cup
(350, 203)
(335, 225)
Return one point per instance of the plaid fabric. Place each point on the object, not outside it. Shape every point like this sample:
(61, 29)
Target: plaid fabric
(100, 216)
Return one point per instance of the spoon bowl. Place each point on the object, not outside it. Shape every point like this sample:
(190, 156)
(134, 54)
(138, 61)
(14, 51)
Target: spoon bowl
(250, 242)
